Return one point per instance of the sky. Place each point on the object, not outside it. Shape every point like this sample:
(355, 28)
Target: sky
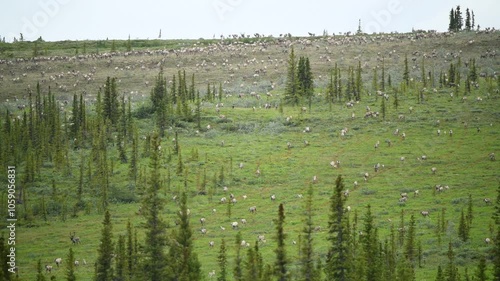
(56, 20)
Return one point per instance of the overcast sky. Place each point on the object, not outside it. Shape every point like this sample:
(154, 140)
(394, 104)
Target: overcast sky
(117, 19)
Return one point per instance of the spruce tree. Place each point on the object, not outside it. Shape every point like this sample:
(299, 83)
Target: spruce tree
(463, 231)
(496, 251)
(458, 19)
(410, 247)
(337, 261)
(251, 272)
(480, 273)
(292, 83)
(424, 78)
(473, 21)
(70, 266)
(451, 271)
(154, 261)
(307, 252)
(468, 24)
(281, 262)
(383, 108)
(440, 274)
(406, 73)
(382, 80)
(104, 269)
(121, 260)
(39, 271)
(184, 265)
(359, 82)
(131, 255)
(452, 25)
(238, 270)
(369, 241)
(222, 261)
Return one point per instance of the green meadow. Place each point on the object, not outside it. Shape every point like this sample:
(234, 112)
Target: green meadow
(275, 142)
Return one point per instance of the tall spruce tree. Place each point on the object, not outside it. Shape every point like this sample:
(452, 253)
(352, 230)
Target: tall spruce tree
(410, 246)
(480, 273)
(453, 24)
(281, 262)
(468, 24)
(463, 228)
(459, 21)
(39, 273)
(222, 261)
(131, 254)
(161, 102)
(292, 84)
(238, 270)
(406, 72)
(155, 260)
(121, 260)
(496, 257)
(337, 261)
(104, 269)
(370, 244)
(70, 266)
(307, 259)
(451, 270)
(184, 264)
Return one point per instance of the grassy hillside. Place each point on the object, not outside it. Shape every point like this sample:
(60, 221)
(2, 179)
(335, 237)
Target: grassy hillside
(257, 137)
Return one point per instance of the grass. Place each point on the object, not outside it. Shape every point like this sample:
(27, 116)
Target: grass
(258, 139)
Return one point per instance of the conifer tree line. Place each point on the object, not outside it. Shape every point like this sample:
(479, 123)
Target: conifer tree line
(457, 21)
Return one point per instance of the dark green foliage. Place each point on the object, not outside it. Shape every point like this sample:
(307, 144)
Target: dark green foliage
(111, 106)
(305, 80)
(307, 258)
(292, 84)
(496, 251)
(463, 228)
(382, 80)
(359, 82)
(70, 267)
(452, 22)
(468, 24)
(451, 270)
(422, 68)
(406, 72)
(161, 102)
(39, 271)
(369, 242)
(4, 251)
(184, 264)
(337, 261)
(480, 273)
(383, 108)
(121, 259)
(281, 262)
(238, 270)
(473, 71)
(405, 270)
(252, 271)
(131, 253)
(154, 261)
(104, 269)
(410, 246)
(440, 274)
(222, 261)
